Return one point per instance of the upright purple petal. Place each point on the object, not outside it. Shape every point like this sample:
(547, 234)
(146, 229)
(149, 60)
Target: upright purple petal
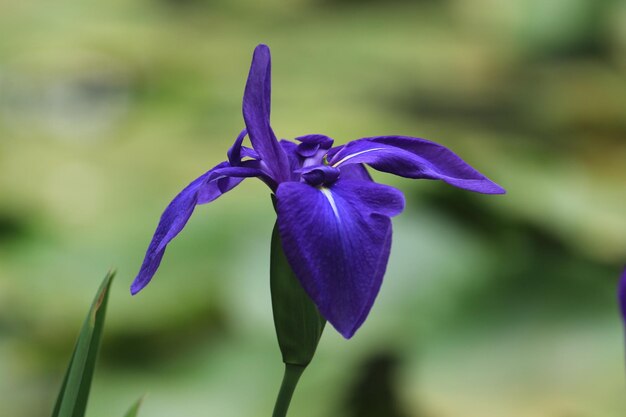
(333, 151)
(415, 158)
(622, 295)
(291, 149)
(237, 152)
(337, 240)
(203, 189)
(234, 153)
(256, 114)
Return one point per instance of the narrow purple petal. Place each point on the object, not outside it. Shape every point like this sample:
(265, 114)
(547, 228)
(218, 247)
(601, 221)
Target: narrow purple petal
(224, 178)
(224, 185)
(203, 189)
(291, 149)
(234, 153)
(237, 152)
(333, 151)
(256, 114)
(622, 295)
(337, 240)
(415, 158)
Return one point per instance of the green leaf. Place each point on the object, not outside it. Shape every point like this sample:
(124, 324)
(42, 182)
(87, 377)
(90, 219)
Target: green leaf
(299, 325)
(132, 412)
(72, 399)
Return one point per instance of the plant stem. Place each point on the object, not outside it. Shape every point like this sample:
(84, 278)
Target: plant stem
(288, 386)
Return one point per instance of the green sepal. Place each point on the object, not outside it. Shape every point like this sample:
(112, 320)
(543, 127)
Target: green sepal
(299, 325)
(72, 399)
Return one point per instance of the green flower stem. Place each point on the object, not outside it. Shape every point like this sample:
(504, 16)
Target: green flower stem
(290, 380)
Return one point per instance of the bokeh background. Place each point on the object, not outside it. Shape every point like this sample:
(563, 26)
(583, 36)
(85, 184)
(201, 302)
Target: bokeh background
(492, 305)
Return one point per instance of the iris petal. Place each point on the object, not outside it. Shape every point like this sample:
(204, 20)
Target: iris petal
(291, 149)
(355, 172)
(337, 240)
(237, 152)
(256, 114)
(415, 158)
(622, 294)
(234, 153)
(203, 189)
(224, 178)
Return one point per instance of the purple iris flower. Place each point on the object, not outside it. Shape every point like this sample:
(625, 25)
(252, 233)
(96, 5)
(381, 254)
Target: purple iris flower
(621, 293)
(334, 221)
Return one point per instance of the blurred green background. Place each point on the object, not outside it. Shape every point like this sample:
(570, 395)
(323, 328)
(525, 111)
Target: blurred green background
(492, 305)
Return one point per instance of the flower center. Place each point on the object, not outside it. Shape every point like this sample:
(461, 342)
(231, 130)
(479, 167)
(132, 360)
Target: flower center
(320, 175)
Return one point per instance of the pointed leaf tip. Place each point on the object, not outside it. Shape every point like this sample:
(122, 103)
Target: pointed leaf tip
(134, 410)
(102, 292)
(74, 393)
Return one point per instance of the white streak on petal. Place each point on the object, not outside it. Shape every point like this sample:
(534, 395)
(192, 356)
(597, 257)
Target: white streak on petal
(331, 200)
(344, 159)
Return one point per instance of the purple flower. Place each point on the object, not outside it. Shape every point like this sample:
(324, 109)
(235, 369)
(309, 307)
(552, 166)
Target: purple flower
(621, 294)
(334, 221)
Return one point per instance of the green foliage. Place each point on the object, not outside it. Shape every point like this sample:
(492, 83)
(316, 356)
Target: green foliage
(72, 399)
(134, 410)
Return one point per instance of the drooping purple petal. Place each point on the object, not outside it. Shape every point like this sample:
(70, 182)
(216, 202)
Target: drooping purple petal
(337, 240)
(622, 295)
(256, 114)
(415, 158)
(202, 190)
(224, 178)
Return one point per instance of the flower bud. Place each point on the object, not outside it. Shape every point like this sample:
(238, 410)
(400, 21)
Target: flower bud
(298, 323)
